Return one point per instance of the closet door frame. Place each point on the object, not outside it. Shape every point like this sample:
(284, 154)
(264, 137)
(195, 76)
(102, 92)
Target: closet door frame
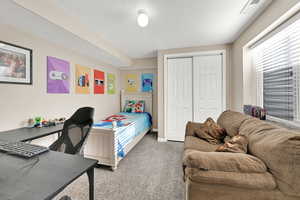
(192, 54)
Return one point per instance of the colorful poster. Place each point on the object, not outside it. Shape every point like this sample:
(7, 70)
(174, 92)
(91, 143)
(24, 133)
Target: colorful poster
(111, 83)
(82, 79)
(99, 81)
(131, 83)
(58, 75)
(147, 82)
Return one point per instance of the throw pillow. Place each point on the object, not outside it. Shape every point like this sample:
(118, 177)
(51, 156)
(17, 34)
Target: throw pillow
(211, 132)
(238, 144)
(133, 106)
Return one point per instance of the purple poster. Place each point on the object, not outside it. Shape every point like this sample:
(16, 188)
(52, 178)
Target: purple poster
(58, 74)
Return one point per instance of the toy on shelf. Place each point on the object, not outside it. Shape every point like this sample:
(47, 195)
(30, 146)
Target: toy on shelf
(60, 120)
(40, 122)
(30, 122)
(255, 111)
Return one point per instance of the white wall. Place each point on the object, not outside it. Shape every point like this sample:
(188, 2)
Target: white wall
(20, 102)
(241, 78)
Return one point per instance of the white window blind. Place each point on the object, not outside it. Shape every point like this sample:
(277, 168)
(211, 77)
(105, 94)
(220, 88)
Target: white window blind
(277, 64)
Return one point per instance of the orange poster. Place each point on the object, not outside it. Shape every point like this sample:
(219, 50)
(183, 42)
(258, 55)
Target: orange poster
(82, 79)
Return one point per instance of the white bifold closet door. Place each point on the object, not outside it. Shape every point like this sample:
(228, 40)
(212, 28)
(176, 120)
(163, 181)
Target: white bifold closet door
(194, 92)
(207, 87)
(179, 100)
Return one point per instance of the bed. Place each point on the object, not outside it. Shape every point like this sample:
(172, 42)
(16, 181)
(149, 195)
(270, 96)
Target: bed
(110, 145)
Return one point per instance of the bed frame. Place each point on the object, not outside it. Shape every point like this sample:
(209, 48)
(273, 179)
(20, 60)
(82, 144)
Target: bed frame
(102, 143)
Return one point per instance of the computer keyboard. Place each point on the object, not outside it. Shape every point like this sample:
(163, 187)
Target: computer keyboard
(22, 149)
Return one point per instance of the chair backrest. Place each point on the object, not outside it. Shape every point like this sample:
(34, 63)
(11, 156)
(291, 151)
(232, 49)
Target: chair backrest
(75, 132)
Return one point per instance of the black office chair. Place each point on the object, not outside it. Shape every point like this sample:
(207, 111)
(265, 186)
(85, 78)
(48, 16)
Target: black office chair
(75, 132)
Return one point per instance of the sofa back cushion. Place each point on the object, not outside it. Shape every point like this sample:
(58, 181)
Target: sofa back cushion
(279, 148)
(231, 121)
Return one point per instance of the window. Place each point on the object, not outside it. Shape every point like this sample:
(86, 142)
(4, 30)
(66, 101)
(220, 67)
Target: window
(277, 65)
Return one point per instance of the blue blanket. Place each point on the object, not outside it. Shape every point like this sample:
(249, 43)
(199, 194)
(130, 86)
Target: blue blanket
(129, 125)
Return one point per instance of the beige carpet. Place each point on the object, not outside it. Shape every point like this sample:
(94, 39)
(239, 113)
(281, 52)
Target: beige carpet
(151, 171)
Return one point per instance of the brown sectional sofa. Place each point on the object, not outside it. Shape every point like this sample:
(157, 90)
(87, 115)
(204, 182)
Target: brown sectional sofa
(270, 170)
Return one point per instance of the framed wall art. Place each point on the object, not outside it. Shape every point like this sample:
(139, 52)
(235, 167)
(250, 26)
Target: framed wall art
(58, 75)
(131, 83)
(147, 82)
(15, 64)
(82, 79)
(99, 82)
(111, 83)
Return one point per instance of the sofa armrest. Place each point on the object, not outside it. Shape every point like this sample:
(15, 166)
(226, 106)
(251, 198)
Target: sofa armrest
(223, 161)
(191, 127)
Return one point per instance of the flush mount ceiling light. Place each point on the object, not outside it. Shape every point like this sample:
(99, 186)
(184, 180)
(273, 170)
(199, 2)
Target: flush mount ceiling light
(142, 18)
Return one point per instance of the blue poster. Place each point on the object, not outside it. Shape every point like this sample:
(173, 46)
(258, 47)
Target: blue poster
(147, 82)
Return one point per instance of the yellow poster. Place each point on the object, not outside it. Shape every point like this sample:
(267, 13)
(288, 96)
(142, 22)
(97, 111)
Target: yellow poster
(82, 79)
(131, 83)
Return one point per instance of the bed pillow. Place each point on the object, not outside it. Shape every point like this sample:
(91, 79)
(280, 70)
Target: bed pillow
(133, 106)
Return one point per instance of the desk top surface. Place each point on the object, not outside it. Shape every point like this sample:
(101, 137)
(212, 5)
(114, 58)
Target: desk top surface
(27, 134)
(41, 177)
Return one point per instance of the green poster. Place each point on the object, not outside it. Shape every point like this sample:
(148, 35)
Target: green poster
(111, 83)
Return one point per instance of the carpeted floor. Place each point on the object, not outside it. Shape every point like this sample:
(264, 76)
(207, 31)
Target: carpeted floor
(151, 171)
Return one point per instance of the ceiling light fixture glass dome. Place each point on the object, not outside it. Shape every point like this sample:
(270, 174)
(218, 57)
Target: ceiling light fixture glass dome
(143, 18)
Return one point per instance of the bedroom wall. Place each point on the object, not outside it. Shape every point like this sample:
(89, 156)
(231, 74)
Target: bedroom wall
(241, 78)
(20, 102)
(140, 66)
(160, 71)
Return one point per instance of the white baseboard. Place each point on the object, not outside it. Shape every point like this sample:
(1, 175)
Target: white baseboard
(160, 139)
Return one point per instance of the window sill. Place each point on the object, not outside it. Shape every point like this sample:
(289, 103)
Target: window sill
(284, 123)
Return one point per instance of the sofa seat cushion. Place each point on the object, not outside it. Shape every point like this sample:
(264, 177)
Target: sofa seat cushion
(195, 143)
(231, 121)
(279, 148)
(223, 161)
(207, 191)
(262, 181)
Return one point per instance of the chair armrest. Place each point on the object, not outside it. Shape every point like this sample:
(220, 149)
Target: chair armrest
(223, 161)
(191, 127)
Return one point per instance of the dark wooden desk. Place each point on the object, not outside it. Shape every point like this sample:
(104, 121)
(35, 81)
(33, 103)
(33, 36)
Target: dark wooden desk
(28, 134)
(42, 177)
